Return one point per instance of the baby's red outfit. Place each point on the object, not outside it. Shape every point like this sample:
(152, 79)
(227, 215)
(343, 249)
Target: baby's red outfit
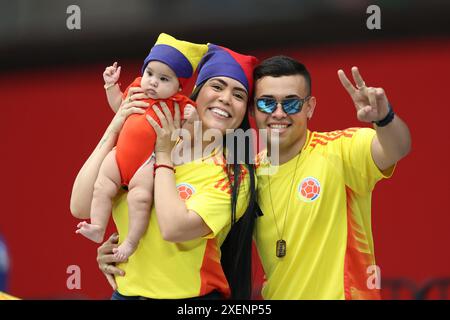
(137, 138)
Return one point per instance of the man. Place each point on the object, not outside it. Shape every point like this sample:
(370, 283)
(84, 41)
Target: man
(314, 237)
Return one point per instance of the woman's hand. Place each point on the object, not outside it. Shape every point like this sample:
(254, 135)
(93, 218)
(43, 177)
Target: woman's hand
(106, 260)
(168, 132)
(190, 114)
(129, 106)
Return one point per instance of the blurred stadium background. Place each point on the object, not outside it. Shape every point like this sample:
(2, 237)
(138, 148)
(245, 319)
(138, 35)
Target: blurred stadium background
(54, 111)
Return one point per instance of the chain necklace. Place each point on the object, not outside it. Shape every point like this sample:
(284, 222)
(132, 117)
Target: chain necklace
(281, 243)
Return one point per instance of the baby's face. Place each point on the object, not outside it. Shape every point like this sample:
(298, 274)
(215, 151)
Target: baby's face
(159, 81)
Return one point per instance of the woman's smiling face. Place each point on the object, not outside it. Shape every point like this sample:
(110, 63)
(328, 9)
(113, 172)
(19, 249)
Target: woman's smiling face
(222, 103)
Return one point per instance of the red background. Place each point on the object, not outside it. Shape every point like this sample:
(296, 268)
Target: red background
(53, 118)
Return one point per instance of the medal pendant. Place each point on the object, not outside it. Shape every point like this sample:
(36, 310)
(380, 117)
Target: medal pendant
(281, 248)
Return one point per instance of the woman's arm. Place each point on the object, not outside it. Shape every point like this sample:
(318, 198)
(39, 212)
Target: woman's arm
(175, 221)
(83, 187)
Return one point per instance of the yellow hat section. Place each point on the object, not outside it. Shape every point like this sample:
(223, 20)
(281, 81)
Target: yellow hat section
(192, 51)
(4, 296)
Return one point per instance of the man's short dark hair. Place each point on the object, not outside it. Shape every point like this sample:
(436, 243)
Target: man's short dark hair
(279, 66)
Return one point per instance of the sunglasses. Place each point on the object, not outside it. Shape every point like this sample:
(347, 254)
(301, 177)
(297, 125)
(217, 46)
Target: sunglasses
(290, 106)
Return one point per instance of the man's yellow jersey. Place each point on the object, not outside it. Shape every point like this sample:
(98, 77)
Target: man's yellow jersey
(325, 219)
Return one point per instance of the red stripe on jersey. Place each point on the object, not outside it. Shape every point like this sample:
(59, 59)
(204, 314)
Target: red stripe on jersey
(211, 272)
(334, 135)
(356, 264)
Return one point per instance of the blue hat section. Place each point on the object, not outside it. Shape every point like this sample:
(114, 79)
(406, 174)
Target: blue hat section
(219, 63)
(172, 57)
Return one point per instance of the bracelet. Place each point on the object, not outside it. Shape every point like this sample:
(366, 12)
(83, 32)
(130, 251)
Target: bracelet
(107, 86)
(157, 166)
(386, 120)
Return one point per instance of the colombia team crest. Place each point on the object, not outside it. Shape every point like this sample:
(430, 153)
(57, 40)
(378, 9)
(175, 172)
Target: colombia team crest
(309, 189)
(185, 191)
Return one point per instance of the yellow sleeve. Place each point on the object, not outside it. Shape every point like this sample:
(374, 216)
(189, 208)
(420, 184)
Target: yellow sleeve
(213, 205)
(360, 171)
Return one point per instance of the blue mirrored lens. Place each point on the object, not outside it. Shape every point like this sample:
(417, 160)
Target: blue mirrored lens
(291, 106)
(266, 105)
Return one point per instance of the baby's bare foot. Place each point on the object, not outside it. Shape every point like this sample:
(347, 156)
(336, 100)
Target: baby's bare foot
(91, 231)
(124, 251)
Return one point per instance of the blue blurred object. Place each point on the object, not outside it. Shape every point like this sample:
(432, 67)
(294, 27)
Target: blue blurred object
(4, 265)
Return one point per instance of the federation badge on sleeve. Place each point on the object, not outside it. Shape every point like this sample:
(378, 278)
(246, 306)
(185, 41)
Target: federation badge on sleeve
(185, 191)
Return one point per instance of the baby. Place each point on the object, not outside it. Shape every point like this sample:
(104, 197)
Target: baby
(166, 69)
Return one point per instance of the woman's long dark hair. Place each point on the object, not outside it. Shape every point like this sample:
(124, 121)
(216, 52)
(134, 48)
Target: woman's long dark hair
(236, 250)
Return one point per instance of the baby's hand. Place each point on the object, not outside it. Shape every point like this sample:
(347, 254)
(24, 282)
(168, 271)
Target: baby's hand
(111, 74)
(190, 113)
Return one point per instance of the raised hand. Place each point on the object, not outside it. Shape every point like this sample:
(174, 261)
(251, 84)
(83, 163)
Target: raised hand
(371, 103)
(111, 74)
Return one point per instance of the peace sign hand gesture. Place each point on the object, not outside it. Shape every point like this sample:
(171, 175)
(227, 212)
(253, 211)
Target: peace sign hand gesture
(371, 103)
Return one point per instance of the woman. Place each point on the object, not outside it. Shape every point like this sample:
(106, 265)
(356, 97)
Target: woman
(179, 255)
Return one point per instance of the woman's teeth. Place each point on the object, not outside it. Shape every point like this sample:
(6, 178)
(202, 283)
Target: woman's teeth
(220, 112)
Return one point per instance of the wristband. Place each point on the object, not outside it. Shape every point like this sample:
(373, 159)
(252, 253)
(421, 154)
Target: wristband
(157, 166)
(386, 120)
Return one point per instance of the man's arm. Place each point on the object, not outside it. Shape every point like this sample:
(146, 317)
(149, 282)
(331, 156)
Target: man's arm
(391, 143)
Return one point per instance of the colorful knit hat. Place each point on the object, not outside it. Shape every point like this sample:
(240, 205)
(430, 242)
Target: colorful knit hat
(181, 56)
(223, 62)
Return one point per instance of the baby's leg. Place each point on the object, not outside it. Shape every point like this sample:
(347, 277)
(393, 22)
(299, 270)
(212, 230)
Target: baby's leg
(140, 197)
(105, 189)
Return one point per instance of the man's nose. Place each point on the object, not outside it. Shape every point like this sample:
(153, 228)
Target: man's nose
(279, 112)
